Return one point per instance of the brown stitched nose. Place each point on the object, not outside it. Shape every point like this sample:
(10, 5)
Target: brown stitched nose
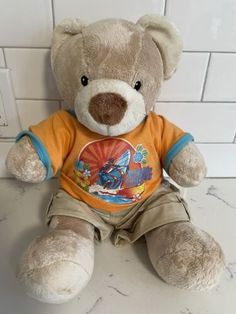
(107, 108)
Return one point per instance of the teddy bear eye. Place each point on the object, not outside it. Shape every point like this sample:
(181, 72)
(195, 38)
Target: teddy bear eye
(137, 85)
(84, 80)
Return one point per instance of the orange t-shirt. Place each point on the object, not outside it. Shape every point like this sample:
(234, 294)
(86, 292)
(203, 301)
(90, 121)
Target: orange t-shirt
(107, 173)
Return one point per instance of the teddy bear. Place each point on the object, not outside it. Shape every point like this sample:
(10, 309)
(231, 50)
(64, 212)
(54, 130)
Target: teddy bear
(110, 150)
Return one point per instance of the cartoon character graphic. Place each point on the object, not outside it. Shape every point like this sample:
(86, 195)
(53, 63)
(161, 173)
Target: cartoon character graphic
(113, 170)
(111, 175)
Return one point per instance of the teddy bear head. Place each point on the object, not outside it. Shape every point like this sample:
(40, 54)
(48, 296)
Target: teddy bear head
(110, 72)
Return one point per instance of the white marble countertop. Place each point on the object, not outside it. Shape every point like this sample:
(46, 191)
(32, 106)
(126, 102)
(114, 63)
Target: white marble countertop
(123, 280)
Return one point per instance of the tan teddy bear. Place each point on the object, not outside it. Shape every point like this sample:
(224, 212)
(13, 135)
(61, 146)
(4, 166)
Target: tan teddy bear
(111, 150)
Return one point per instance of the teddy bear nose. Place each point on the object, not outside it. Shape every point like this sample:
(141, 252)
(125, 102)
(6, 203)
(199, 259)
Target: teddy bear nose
(107, 108)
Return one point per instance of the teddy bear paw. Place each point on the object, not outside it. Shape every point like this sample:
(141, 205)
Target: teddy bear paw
(185, 256)
(56, 266)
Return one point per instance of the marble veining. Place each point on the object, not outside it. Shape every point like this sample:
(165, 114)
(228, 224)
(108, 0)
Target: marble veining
(99, 300)
(118, 291)
(231, 268)
(123, 280)
(186, 311)
(213, 191)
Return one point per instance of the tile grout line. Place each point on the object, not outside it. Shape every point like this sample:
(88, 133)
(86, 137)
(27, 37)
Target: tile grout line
(53, 13)
(24, 47)
(60, 104)
(234, 140)
(212, 143)
(220, 177)
(40, 99)
(159, 101)
(210, 51)
(205, 77)
(197, 101)
(4, 57)
(165, 7)
(184, 51)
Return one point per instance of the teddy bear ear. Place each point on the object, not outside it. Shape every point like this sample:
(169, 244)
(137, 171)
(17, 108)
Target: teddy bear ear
(63, 31)
(166, 37)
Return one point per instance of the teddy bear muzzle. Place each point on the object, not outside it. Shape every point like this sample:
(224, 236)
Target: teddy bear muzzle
(107, 108)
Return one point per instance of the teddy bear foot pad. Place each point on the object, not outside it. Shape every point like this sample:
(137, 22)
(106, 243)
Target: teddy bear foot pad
(57, 266)
(185, 256)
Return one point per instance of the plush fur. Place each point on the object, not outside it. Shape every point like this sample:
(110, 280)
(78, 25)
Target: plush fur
(167, 39)
(132, 117)
(24, 163)
(92, 54)
(113, 54)
(185, 256)
(188, 167)
(58, 265)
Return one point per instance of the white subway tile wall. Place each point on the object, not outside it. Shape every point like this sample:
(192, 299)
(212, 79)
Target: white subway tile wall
(185, 84)
(33, 111)
(91, 10)
(31, 73)
(208, 122)
(4, 149)
(221, 82)
(220, 159)
(25, 23)
(2, 61)
(206, 25)
(200, 97)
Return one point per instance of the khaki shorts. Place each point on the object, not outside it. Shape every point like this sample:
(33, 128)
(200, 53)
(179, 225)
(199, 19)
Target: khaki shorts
(164, 206)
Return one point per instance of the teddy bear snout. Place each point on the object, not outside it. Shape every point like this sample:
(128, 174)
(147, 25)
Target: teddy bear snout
(107, 108)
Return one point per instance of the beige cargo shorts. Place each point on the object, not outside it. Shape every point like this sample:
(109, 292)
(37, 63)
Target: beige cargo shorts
(164, 206)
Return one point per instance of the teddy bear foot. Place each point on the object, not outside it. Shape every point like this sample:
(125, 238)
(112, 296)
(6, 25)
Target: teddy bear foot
(57, 266)
(185, 256)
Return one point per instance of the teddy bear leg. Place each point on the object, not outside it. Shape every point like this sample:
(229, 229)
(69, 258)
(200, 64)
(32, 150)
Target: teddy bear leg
(59, 264)
(185, 256)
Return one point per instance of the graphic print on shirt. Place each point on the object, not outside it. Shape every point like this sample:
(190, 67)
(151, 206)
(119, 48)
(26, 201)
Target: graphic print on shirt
(113, 170)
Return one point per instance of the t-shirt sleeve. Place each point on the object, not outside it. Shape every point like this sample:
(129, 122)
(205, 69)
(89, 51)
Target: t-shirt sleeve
(172, 141)
(52, 141)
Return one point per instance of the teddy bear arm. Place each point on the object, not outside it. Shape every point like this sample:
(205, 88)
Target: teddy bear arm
(188, 167)
(24, 163)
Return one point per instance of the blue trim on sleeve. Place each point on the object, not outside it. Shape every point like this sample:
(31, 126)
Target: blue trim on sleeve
(175, 149)
(41, 150)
